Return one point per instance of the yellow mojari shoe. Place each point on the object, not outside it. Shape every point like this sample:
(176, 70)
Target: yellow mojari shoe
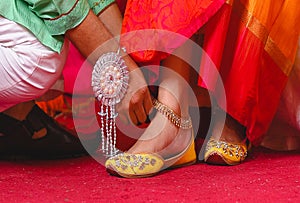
(146, 164)
(134, 165)
(225, 153)
(149, 164)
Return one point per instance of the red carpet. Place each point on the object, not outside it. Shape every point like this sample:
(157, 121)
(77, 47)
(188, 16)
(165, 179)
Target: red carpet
(265, 176)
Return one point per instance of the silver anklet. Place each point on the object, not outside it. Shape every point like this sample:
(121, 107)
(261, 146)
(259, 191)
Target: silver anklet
(183, 123)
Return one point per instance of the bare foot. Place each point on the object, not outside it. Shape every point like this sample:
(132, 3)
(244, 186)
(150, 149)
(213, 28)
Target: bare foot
(232, 131)
(162, 136)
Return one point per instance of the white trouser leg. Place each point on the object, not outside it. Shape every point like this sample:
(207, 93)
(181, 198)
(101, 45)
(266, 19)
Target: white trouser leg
(27, 67)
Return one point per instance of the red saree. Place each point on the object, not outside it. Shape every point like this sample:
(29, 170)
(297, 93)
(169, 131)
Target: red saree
(258, 56)
(251, 42)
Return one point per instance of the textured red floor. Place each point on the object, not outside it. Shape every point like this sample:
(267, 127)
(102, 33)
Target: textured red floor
(265, 176)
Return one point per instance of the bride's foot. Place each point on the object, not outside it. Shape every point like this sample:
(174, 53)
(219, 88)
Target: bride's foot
(162, 134)
(168, 141)
(228, 143)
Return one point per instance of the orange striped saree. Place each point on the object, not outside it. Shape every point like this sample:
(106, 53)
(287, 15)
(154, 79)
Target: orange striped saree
(259, 51)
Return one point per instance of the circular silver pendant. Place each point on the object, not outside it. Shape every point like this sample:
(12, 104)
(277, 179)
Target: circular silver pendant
(110, 78)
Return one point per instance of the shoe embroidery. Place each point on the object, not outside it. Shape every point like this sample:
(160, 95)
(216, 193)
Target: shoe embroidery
(135, 164)
(231, 153)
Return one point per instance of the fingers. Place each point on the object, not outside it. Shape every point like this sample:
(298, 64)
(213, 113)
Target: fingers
(137, 109)
(140, 105)
(138, 114)
(137, 103)
(133, 117)
(147, 102)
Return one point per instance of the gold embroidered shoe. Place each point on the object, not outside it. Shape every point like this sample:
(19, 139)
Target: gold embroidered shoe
(148, 164)
(225, 153)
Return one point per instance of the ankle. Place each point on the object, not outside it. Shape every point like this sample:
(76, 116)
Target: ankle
(177, 104)
(173, 117)
(229, 131)
(235, 126)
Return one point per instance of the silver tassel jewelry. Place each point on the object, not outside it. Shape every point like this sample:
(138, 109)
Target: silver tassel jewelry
(110, 79)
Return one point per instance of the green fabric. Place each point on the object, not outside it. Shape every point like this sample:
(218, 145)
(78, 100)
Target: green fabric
(48, 20)
(99, 5)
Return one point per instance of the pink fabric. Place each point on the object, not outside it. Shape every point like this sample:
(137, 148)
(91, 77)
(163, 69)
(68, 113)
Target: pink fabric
(27, 67)
(73, 64)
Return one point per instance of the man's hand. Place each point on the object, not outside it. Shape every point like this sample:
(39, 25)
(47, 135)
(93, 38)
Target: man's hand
(137, 102)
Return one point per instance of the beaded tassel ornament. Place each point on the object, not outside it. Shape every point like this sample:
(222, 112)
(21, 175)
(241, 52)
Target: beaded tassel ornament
(110, 78)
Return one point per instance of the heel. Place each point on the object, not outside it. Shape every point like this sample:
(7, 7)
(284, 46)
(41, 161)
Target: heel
(188, 158)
